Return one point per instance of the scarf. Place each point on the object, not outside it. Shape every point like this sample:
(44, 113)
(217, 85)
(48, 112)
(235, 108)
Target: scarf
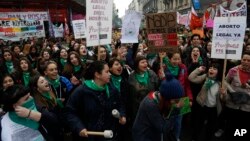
(84, 59)
(200, 61)
(26, 78)
(63, 61)
(10, 66)
(77, 68)
(55, 83)
(209, 83)
(91, 84)
(51, 101)
(151, 56)
(116, 81)
(30, 104)
(174, 70)
(142, 78)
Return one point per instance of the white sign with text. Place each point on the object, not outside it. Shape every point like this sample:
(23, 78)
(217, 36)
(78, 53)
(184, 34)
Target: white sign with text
(79, 29)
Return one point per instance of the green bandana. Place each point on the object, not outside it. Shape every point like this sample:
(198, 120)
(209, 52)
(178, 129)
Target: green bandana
(174, 70)
(10, 66)
(116, 80)
(55, 83)
(91, 84)
(209, 83)
(26, 78)
(30, 104)
(84, 59)
(77, 68)
(142, 78)
(63, 61)
(200, 61)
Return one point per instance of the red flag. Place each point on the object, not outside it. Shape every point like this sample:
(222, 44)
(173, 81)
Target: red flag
(66, 27)
(195, 22)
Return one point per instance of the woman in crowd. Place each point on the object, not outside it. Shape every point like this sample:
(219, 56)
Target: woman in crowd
(45, 54)
(17, 51)
(24, 72)
(33, 56)
(102, 52)
(151, 122)
(60, 85)
(238, 85)
(62, 59)
(208, 99)
(7, 81)
(141, 82)
(21, 121)
(74, 69)
(90, 106)
(46, 103)
(9, 62)
(83, 53)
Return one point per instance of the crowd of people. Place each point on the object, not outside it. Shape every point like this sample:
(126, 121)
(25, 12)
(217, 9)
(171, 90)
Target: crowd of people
(53, 89)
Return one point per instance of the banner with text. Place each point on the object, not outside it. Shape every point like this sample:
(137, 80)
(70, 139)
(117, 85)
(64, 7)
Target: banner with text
(79, 29)
(242, 11)
(130, 27)
(162, 31)
(58, 31)
(228, 35)
(14, 29)
(99, 22)
(26, 15)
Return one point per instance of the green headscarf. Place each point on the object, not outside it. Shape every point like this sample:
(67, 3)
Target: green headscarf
(142, 78)
(116, 81)
(55, 83)
(30, 104)
(10, 66)
(174, 70)
(77, 68)
(26, 78)
(63, 61)
(91, 84)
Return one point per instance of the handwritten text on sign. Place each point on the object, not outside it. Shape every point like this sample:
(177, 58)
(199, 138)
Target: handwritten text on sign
(228, 35)
(99, 22)
(161, 29)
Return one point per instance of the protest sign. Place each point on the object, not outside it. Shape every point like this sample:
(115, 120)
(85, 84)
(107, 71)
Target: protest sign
(130, 27)
(98, 22)
(79, 29)
(58, 31)
(14, 29)
(162, 31)
(242, 11)
(26, 15)
(228, 36)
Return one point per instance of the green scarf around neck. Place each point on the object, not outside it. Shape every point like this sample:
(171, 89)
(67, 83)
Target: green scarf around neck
(174, 70)
(91, 84)
(200, 61)
(55, 83)
(63, 61)
(84, 59)
(77, 68)
(10, 66)
(26, 78)
(116, 81)
(30, 104)
(142, 78)
(50, 100)
(209, 83)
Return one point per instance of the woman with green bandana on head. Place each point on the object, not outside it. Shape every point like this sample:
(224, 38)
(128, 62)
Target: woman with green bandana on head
(60, 85)
(22, 120)
(24, 72)
(90, 106)
(46, 103)
(141, 81)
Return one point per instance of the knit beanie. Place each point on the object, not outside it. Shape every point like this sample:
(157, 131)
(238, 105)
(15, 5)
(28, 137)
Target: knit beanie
(171, 88)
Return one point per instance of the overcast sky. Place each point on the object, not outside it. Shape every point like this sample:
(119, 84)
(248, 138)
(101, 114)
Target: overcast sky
(121, 5)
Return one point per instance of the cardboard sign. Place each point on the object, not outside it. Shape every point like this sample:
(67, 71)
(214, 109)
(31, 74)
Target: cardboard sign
(162, 31)
(228, 36)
